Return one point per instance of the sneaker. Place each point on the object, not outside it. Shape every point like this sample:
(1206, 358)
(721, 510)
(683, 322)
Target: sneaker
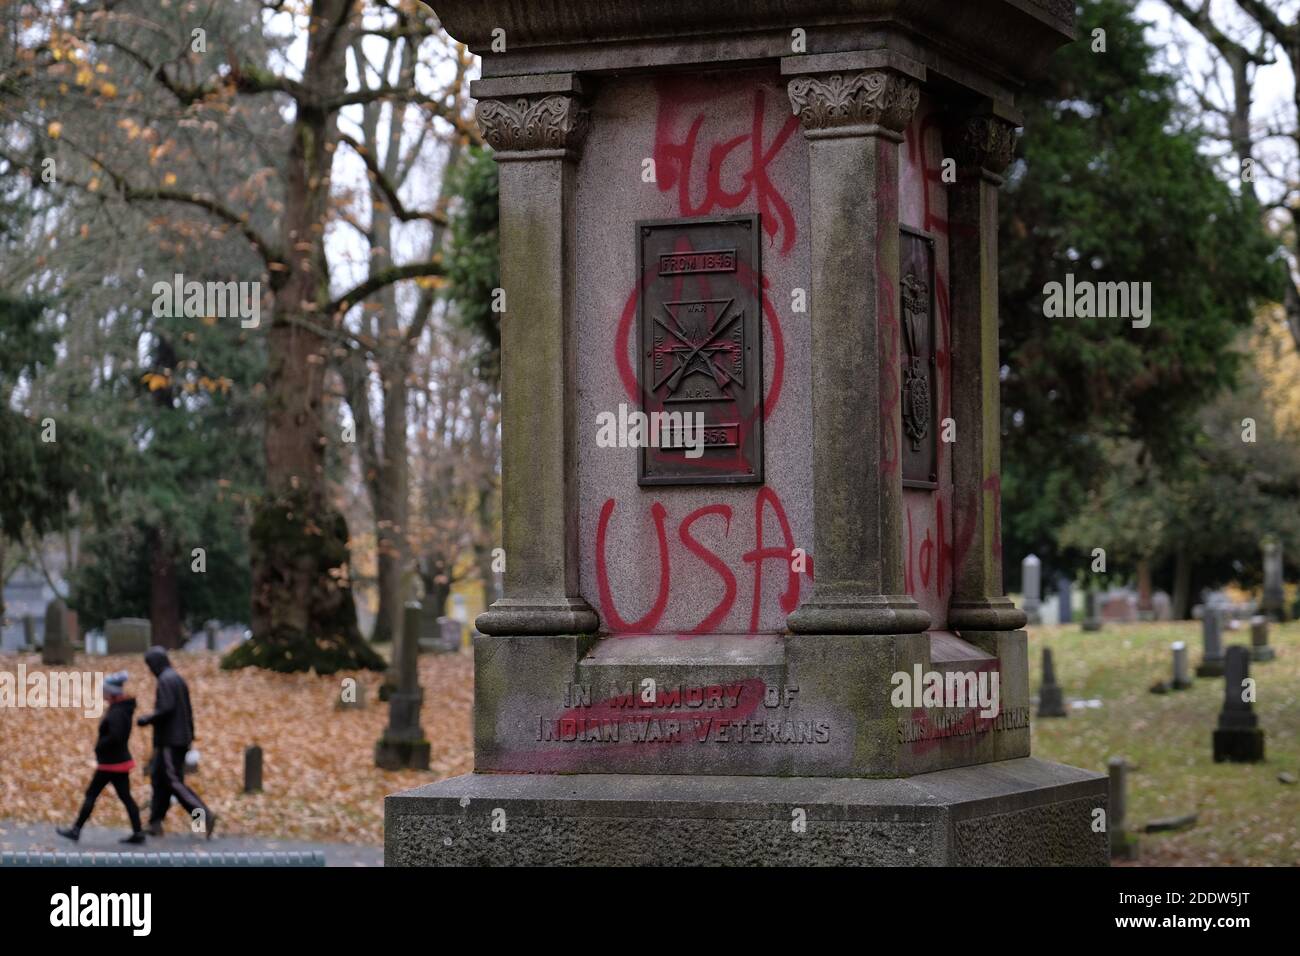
(72, 833)
(137, 837)
(154, 829)
(212, 824)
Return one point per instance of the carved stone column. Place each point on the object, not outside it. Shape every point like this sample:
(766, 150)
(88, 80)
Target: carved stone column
(537, 125)
(853, 108)
(982, 144)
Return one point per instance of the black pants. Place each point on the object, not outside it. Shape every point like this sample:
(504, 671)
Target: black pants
(122, 784)
(168, 774)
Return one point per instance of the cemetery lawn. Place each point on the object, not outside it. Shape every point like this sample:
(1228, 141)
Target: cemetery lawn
(1247, 816)
(319, 772)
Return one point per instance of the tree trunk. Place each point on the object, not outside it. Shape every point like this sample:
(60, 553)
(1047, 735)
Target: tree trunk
(1144, 604)
(391, 503)
(303, 613)
(1182, 599)
(164, 592)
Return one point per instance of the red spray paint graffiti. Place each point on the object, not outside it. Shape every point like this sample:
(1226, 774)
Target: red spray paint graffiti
(676, 157)
(647, 623)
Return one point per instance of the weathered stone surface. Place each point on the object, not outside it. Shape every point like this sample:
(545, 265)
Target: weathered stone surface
(1259, 647)
(57, 649)
(1051, 699)
(1238, 737)
(1211, 642)
(128, 635)
(403, 745)
(770, 705)
(1014, 812)
(1182, 678)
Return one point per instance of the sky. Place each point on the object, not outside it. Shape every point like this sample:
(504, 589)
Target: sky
(1273, 104)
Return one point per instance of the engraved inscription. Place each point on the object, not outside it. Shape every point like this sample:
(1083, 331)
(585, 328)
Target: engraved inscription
(936, 724)
(748, 712)
(715, 260)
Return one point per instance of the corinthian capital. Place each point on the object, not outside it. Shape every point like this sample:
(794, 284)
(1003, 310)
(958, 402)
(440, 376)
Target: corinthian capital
(534, 127)
(879, 102)
(982, 143)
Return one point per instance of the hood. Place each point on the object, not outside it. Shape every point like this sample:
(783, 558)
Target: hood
(157, 660)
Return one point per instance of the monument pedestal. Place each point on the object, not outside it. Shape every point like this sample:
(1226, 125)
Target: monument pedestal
(1013, 812)
(878, 711)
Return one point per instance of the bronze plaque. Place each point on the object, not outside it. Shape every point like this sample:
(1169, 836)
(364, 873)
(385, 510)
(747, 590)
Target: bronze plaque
(919, 401)
(699, 323)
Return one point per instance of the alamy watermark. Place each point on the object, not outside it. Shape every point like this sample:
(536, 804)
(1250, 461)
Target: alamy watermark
(636, 429)
(1086, 299)
(75, 690)
(218, 300)
(951, 689)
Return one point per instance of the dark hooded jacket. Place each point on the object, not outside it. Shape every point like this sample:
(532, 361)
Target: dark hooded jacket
(114, 732)
(172, 717)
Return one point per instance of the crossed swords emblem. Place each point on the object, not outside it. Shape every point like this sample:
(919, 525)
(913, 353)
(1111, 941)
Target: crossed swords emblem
(698, 347)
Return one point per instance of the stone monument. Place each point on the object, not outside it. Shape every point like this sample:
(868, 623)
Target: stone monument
(1273, 604)
(745, 319)
(1064, 600)
(1211, 642)
(57, 649)
(403, 745)
(1182, 669)
(1259, 648)
(1031, 577)
(1238, 737)
(127, 635)
(1051, 701)
(1091, 614)
(1123, 845)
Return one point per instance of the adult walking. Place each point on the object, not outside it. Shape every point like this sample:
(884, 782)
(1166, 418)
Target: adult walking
(173, 732)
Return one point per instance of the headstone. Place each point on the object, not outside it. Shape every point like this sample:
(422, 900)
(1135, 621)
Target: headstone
(1051, 702)
(1064, 600)
(449, 631)
(668, 297)
(1162, 606)
(253, 769)
(1123, 845)
(128, 635)
(1031, 577)
(1259, 649)
(1182, 668)
(57, 649)
(29, 632)
(1238, 738)
(210, 635)
(1118, 606)
(1091, 618)
(1273, 604)
(403, 745)
(1211, 642)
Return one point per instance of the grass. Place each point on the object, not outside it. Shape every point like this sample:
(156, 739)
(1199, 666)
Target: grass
(1246, 815)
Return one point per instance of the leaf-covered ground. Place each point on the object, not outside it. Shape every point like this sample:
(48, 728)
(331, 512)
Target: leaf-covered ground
(1247, 817)
(318, 762)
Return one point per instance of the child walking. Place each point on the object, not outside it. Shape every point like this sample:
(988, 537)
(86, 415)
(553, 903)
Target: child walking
(114, 763)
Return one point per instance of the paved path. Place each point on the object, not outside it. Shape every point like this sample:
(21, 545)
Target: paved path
(40, 837)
